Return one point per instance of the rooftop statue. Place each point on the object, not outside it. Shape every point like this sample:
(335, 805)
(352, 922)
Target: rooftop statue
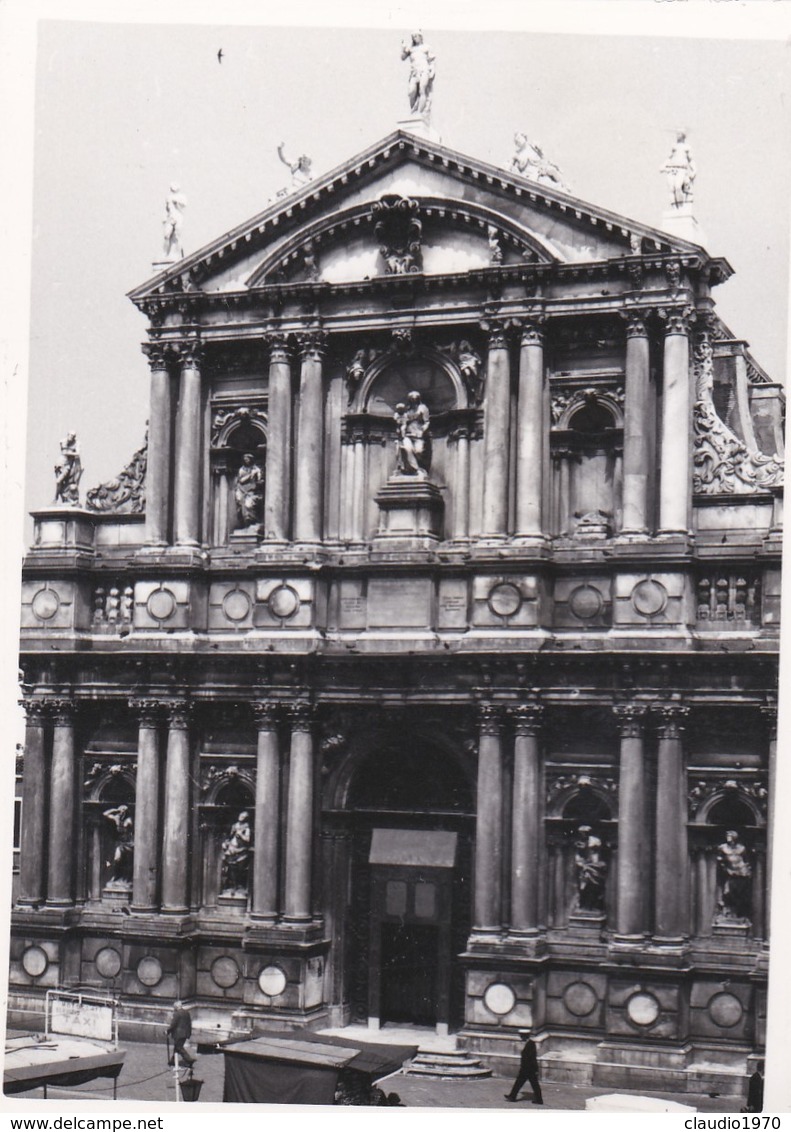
(529, 161)
(413, 442)
(172, 224)
(301, 170)
(681, 172)
(68, 471)
(421, 74)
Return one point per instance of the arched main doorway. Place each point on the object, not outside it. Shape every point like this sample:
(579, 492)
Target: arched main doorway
(409, 815)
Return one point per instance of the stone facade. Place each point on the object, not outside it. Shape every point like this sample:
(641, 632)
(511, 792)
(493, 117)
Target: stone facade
(491, 722)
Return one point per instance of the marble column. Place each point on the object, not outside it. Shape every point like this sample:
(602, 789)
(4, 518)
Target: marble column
(34, 806)
(277, 504)
(637, 447)
(309, 494)
(299, 819)
(675, 484)
(461, 509)
(496, 432)
(175, 838)
(188, 448)
(632, 880)
(267, 814)
(672, 881)
(60, 880)
(769, 712)
(530, 433)
(145, 874)
(159, 448)
(488, 822)
(526, 819)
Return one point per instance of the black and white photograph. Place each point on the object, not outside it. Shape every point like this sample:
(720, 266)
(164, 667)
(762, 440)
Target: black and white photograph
(393, 447)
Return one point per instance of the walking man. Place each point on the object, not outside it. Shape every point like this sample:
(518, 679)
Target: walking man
(528, 1070)
(180, 1029)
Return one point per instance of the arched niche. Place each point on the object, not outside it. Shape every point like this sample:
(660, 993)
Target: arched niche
(580, 828)
(236, 433)
(230, 795)
(109, 813)
(394, 375)
(720, 813)
(587, 464)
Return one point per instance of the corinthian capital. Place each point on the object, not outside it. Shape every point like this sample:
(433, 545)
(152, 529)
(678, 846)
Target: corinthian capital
(36, 710)
(670, 720)
(63, 710)
(265, 714)
(532, 331)
(630, 719)
(149, 711)
(527, 718)
(313, 345)
(496, 330)
(302, 714)
(636, 323)
(278, 346)
(489, 719)
(157, 354)
(677, 320)
(179, 714)
(190, 352)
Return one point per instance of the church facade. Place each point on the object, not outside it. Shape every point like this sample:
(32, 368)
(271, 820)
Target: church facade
(422, 667)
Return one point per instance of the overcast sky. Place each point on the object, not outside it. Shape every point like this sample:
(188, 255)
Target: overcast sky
(123, 110)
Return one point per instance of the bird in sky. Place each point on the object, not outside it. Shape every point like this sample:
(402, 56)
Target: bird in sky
(219, 56)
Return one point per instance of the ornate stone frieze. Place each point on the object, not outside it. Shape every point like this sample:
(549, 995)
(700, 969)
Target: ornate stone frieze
(226, 420)
(399, 232)
(705, 788)
(126, 494)
(723, 464)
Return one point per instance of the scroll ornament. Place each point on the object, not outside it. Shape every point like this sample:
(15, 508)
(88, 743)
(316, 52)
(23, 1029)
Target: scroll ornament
(723, 464)
(124, 495)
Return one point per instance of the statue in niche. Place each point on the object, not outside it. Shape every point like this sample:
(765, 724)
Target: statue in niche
(421, 74)
(529, 161)
(413, 442)
(735, 874)
(681, 172)
(249, 492)
(237, 849)
(301, 170)
(68, 472)
(591, 869)
(124, 851)
(175, 204)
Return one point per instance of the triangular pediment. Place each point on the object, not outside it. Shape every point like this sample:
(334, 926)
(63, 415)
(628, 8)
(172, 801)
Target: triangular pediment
(471, 216)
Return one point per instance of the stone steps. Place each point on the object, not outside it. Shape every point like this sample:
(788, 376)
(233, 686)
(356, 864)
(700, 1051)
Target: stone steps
(447, 1065)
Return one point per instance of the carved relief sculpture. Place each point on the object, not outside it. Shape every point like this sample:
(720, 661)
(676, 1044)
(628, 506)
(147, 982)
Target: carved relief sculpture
(421, 74)
(735, 875)
(399, 232)
(469, 362)
(591, 870)
(175, 204)
(124, 851)
(249, 492)
(681, 172)
(68, 472)
(124, 495)
(413, 442)
(495, 250)
(529, 161)
(237, 849)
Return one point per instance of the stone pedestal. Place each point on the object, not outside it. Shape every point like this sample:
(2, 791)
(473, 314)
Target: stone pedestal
(418, 126)
(586, 923)
(245, 536)
(411, 511)
(117, 892)
(681, 222)
(233, 903)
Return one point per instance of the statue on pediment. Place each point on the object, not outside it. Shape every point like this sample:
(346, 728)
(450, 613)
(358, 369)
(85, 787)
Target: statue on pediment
(301, 170)
(68, 472)
(248, 492)
(681, 172)
(413, 440)
(175, 204)
(421, 74)
(529, 161)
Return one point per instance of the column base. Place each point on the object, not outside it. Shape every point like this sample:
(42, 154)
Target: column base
(143, 909)
(57, 903)
(265, 919)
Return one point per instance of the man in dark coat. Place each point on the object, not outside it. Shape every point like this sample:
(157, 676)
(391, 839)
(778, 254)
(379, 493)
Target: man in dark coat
(180, 1029)
(528, 1070)
(755, 1090)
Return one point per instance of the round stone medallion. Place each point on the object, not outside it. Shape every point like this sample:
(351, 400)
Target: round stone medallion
(272, 981)
(649, 597)
(225, 972)
(585, 602)
(45, 604)
(725, 1010)
(642, 1009)
(236, 605)
(499, 998)
(283, 602)
(504, 599)
(580, 999)
(161, 605)
(34, 961)
(149, 971)
(108, 962)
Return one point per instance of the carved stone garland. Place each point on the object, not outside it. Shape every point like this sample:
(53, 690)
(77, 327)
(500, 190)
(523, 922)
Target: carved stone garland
(723, 464)
(399, 232)
(124, 495)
